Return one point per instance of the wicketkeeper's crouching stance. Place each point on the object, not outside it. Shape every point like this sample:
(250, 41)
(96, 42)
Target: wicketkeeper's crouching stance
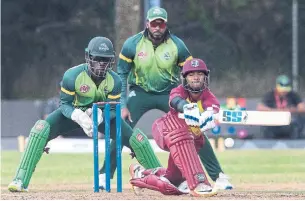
(182, 137)
(82, 85)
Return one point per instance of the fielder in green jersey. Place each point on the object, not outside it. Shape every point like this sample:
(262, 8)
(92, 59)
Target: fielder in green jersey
(82, 85)
(151, 62)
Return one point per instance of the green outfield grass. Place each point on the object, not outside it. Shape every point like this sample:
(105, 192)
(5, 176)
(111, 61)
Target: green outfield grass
(259, 167)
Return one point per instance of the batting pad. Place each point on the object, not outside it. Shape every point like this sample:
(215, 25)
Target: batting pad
(33, 151)
(182, 150)
(186, 159)
(143, 150)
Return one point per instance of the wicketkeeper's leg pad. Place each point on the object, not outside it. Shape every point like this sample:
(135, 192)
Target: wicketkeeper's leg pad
(143, 150)
(37, 140)
(180, 142)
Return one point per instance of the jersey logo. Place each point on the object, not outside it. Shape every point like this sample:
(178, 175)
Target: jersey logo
(142, 54)
(103, 47)
(195, 63)
(167, 56)
(84, 88)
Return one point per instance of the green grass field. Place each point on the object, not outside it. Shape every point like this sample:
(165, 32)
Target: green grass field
(255, 175)
(244, 167)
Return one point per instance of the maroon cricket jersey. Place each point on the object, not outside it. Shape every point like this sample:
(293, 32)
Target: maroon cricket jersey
(207, 99)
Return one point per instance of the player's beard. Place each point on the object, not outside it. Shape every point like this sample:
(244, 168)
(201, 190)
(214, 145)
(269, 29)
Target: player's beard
(157, 36)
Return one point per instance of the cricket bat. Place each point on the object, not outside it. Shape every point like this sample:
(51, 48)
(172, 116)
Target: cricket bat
(255, 118)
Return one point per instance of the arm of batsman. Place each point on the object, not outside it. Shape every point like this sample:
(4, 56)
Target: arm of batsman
(82, 119)
(191, 114)
(99, 115)
(207, 120)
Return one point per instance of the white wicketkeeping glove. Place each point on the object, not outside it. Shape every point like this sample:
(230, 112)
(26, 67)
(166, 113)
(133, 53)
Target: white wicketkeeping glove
(99, 115)
(83, 120)
(191, 114)
(206, 120)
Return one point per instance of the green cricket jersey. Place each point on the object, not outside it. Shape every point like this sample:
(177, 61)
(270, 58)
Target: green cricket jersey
(79, 91)
(155, 70)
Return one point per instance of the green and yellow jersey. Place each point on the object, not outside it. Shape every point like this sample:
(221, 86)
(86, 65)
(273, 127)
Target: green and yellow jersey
(155, 70)
(79, 91)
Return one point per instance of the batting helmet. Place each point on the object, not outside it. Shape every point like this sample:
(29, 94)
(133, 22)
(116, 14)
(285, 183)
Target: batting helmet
(100, 56)
(195, 65)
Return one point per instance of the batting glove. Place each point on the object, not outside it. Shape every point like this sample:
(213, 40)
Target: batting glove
(206, 120)
(191, 114)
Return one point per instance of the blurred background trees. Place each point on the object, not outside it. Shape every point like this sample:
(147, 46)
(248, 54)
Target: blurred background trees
(245, 43)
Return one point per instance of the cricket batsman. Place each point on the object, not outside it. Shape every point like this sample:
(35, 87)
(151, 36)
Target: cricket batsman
(183, 138)
(150, 63)
(82, 85)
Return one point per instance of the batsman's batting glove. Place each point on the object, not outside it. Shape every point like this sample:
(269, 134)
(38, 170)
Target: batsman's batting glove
(82, 119)
(206, 120)
(191, 114)
(99, 115)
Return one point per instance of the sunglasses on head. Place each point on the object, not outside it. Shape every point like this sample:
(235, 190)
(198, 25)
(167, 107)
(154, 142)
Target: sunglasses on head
(161, 24)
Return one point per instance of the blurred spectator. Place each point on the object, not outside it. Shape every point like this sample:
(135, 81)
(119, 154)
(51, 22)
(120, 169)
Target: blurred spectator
(282, 98)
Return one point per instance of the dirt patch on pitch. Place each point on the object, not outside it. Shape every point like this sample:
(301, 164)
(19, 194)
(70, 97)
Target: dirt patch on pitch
(85, 192)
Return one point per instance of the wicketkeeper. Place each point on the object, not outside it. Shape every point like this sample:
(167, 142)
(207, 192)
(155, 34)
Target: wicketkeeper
(183, 138)
(82, 85)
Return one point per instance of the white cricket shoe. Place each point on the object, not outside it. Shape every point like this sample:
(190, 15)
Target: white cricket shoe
(222, 183)
(135, 171)
(17, 186)
(184, 188)
(203, 190)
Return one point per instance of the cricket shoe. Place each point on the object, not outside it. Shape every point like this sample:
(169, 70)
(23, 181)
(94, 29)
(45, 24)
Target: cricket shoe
(203, 190)
(17, 186)
(135, 171)
(184, 188)
(222, 182)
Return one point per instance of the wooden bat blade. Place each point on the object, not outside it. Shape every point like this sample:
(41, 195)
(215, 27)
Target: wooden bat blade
(258, 118)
